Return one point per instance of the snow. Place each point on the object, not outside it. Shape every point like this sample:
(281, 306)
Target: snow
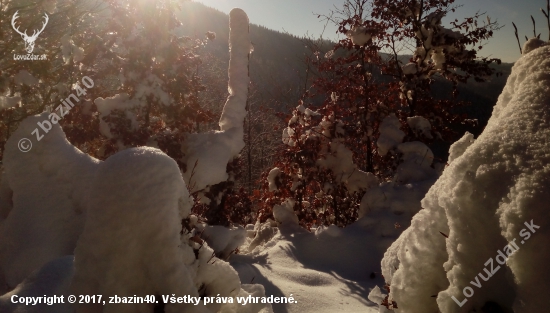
(208, 154)
(53, 279)
(438, 42)
(410, 68)
(390, 134)
(70, 51)
(150, 88)
(23, 77)
(339, 159)
(459, 147)
(70, 224)
(420, 126)
(47, 186)
(144, 216)
(284, 213)
(272, 177)
(533, 44)
(390, 206)
(117, 102)
(7, 102)
(323, 271)
(359, 35)
(234, 110)
(223, 240)
(483, 199)
(122, 218)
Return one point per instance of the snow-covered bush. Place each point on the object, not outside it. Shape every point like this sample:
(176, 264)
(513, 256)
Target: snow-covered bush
(44, 195)
(133, 242)
(476, 243)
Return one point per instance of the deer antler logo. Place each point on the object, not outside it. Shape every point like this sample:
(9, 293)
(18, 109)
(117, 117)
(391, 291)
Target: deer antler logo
(29, 40)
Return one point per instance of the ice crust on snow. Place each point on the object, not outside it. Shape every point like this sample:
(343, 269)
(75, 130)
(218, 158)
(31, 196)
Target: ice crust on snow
(481, 202)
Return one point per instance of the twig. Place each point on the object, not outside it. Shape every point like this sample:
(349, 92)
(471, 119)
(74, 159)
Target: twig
(547, 15)
(534, 27)
(517, 37)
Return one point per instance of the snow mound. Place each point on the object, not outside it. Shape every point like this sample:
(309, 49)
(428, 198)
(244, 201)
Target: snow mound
(390, 134)
(46, 210)
(133, 243)
(224, 240)
(488, 202)
(130, 243)
(53, 279)
(420, 126)
(532, 44)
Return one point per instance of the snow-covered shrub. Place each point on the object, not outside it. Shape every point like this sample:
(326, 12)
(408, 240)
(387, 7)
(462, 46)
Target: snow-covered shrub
(133, 242)
(336, 151)
(474, 245)
(43, 200)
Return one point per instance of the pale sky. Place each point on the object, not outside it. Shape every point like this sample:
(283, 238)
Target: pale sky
(300, 16)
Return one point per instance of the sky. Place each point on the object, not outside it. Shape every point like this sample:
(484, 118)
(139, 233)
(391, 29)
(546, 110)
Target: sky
(299, 17)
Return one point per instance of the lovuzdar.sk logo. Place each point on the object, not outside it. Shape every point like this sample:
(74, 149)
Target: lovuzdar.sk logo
(29, 40)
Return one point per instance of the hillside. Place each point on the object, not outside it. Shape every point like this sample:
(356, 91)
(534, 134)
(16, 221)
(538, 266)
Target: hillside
(278, 74)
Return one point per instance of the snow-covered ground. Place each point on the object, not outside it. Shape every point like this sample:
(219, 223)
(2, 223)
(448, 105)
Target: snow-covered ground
(330, 270)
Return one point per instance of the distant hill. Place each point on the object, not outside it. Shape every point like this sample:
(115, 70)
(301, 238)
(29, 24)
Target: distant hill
(276, 68)
(278, 72)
